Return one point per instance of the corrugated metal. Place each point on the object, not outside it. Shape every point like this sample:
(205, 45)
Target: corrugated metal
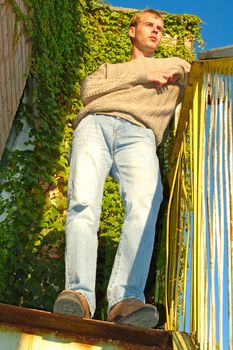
(200, 210)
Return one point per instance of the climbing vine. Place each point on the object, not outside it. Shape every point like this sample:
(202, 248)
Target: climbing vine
(70, 40)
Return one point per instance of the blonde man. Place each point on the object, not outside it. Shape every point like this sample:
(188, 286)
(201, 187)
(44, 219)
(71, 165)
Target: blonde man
(127, 107)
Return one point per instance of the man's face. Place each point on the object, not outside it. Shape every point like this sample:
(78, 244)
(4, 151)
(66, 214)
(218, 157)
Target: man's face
(147, 34)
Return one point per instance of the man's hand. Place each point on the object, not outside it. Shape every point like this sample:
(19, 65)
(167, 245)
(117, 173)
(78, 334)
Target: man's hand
(163, 78)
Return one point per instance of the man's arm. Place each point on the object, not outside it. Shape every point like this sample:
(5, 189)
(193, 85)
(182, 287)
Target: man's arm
(164, 77)
(99, 84)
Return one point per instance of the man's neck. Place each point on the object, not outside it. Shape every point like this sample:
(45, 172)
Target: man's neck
(140, 54)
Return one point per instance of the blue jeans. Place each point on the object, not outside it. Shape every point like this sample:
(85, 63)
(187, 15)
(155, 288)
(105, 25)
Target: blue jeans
(104, 145)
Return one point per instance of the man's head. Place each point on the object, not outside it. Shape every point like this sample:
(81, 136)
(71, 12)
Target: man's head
(137, 16)
(145, 31)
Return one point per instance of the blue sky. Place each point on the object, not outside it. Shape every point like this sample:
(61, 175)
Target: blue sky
(217, 29)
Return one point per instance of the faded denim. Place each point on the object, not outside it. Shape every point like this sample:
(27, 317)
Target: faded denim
(104, 145)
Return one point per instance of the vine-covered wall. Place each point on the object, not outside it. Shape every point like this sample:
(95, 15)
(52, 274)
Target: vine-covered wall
(70, 40)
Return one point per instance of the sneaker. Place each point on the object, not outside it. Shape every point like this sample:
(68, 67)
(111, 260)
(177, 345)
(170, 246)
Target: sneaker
(134, 312)
(72, 303)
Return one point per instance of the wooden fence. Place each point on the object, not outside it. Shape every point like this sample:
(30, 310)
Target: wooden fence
(15, 52)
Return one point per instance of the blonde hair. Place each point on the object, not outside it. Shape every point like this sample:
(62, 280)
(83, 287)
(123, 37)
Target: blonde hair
(137, 17)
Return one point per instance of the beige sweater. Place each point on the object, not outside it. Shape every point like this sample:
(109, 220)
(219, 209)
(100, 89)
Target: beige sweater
(122, 90)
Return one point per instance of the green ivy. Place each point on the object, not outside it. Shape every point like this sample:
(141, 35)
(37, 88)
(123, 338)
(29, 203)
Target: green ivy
(70, 40)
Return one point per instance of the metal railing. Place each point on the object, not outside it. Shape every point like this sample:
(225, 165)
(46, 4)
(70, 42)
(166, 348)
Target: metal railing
(199, 265)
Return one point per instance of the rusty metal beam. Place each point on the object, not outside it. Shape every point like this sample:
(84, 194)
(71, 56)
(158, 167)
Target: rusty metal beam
(84, 331)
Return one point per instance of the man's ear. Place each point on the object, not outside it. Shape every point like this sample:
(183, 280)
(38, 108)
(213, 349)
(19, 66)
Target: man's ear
(132, 32)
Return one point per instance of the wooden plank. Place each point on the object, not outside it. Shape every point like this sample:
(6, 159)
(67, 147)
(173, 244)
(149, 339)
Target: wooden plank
(30, 321)
(221, 52)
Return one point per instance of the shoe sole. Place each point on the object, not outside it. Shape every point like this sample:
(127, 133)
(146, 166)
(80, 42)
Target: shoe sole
(146, 318)
(68, 304)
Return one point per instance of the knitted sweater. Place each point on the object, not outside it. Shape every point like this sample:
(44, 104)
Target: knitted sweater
(122, 90)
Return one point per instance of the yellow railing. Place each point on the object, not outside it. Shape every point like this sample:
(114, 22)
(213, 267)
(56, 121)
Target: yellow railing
(199, 263)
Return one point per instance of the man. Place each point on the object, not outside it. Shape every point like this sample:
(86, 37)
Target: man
(127, 107)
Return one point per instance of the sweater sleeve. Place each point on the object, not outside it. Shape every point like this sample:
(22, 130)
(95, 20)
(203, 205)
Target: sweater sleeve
(99, 84)
(184, 69)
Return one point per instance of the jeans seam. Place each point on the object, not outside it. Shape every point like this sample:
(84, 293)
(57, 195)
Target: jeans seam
(121, 183)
